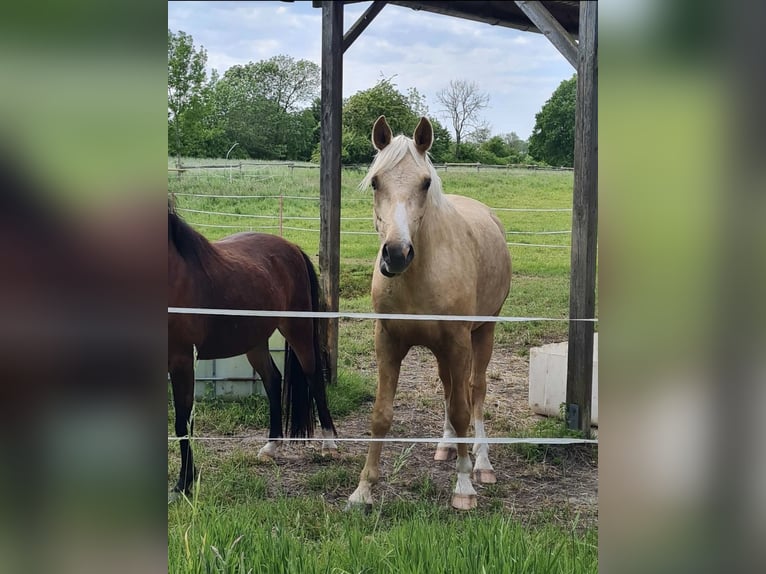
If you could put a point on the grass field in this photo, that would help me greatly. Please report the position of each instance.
(249, 516)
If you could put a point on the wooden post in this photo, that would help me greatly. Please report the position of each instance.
(329, 170)
(582, 289)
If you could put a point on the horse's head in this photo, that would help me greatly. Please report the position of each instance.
(402, 178)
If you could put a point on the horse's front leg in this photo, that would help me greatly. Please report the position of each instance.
(482, 340)
(455, 368)
(181, 370)
(389, 353)
(446, 449)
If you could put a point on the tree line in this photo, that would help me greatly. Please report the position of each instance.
(271, 110)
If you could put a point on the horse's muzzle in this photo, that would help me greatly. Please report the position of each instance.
(395, 258)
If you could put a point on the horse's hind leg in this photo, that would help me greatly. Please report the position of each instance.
(260, 359)
(299, 333)
(482, 340)
(318, 392)
(181, 369)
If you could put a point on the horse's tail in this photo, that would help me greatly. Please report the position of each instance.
(299, 411)
(301, 392)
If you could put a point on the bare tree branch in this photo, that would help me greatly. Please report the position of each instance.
(462, 101)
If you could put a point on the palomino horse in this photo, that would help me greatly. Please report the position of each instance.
(245, 271)
(442, 255)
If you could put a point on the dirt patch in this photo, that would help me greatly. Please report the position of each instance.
(551, 484)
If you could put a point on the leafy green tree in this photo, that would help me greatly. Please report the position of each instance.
(552, 139)
(402, 113)
(440, 150)
(260, 105)
(284, 80)
(518, 145)
(186, 90)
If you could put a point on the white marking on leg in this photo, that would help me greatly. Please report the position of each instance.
(464, 496)
(362, 495)
(269, 450)
(481, 448)
(328, 444)
(449, 432)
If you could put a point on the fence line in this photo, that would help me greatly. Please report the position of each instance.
(301, 218)
(382, 316)
(343, 232)
(317, 198)
(478, 166)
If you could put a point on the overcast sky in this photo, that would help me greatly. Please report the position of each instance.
(519, 70)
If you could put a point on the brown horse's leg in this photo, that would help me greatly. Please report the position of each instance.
(261, 360)
(300, 335)
(181, 369)
(389, 353)
(482, 340)
(455, 362)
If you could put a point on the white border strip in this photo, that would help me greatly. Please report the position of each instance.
(345, 315)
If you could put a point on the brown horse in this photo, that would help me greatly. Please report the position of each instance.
(443, 255)
(253, 271)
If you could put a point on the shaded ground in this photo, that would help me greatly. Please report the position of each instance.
(541, 483)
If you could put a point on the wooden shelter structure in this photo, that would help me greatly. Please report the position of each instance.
(571, 27)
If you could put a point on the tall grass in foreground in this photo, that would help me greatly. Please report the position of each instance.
(305, 536)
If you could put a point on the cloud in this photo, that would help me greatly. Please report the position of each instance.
(519, 70)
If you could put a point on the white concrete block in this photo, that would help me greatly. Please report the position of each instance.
(548, 379)
(233, 377)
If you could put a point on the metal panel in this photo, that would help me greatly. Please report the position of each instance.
(234, 377)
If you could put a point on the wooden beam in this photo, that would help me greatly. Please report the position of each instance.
(329, 171)
(582, 288)
(554, 31)
(364, 20)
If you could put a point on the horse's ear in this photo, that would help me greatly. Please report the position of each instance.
(424, 135)
(381, 133)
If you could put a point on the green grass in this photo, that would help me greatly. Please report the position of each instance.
(305, 535)
(250, 516)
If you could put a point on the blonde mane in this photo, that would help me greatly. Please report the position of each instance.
(391, 155)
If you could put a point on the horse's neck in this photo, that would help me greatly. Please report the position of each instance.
(186, 281)
(438, 227)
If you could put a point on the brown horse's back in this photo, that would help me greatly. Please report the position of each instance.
(258, 271)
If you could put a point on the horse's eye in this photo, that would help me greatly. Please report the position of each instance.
(426, 184)
(374, 183)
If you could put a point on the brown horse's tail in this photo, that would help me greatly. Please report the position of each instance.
(303, 392)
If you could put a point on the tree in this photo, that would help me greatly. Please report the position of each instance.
(462, 101)
(517, 144)
(552, 139)
(259, 103)
(186, 85)
(362, 109)
(287, 82)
